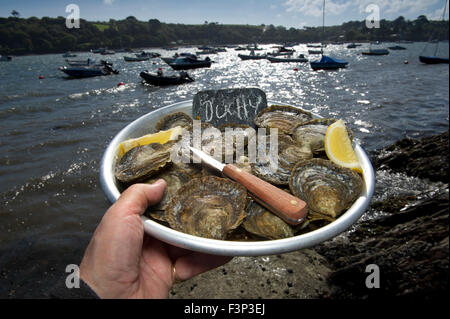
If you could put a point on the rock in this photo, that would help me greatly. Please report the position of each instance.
(424, 158)
(300, 274)
(411, 249)
(410, 243)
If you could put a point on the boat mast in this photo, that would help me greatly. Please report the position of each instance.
(323, 19)
(323, 26)
(443, 18)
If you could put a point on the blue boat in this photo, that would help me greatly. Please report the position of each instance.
(90, 71)
(432, 60)
(328, 63)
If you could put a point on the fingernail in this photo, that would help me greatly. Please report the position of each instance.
(159, 182)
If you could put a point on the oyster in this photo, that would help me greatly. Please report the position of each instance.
(175, 179)
(313, 133)
(173, 120)
(247, 132)
(289, 153)
(207, 207)
(285, 118)
(142, 162)
(261, 222)
(325, 187)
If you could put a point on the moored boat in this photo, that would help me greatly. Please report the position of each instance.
(353, 45)
(90, 71)
(252, 57)
(135, 59)
(4, 58)
(69, 55)
(161, 80)
(328, 63)
(149, 55)
(176, 55)
(396, 48)
(300, 59)
(315, 51)
(188, 63)
(376, 52)
(108, 52)
(432, 59)
(86, 62)
(278, 53)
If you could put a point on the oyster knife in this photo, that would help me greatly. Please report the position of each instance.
(286, 206)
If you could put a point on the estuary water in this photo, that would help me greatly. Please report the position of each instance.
(54, 131)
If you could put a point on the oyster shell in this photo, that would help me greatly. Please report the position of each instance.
(246, 131)
(207, 207)
(326, 188)
(289, 153)
(175, 179)
(142, 162)
(173, 120)
(285, 118)
(261, 222)
(313, 133)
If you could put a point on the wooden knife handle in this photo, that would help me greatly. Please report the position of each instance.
(290, 208)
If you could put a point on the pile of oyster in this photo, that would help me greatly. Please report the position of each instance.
(200, 202)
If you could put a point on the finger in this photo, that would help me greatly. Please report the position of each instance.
(136, 198)
(177, 252)
(196, 263)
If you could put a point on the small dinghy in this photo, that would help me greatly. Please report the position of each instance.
(300, 59)
(69, 55)
(251, 57)
(397, 48)
(188, 63)
(376, 52)
(315, 51)
(136, 59)
(159, 79)
(5, 58)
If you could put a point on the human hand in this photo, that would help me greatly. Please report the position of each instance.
(121, 261)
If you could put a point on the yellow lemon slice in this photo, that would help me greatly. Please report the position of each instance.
(160, 137)
(339, 147)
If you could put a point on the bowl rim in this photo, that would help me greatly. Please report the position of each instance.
(236, 248)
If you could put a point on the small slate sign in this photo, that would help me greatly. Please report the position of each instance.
(238, 106)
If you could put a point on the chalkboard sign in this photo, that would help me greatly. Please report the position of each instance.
(238, 106)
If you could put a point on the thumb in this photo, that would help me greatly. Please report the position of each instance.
(136, 198)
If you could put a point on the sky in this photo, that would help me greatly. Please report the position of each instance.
(288, 13)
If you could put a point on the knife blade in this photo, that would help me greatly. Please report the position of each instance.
(291, 209)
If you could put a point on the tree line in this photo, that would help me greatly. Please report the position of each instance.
(50, 35)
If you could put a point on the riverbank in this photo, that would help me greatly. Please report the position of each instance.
(409, 243)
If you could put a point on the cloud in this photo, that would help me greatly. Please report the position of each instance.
(398, 7)
(437, 14)
(108, 2)
(314, 7)
(387, 7)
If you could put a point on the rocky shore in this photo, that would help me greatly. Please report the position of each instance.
(408, 242)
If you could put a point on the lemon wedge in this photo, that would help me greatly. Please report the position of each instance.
(339, 147)
(160, 137)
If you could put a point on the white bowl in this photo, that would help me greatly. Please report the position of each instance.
(142, 126)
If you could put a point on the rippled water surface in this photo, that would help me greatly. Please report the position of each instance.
(54, 131)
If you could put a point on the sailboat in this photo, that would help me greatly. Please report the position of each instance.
(326, 62)
(434, 59)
